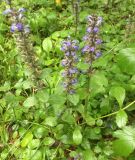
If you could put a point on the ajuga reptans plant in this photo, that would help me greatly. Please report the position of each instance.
(20, 31)
(69, 47)
(91, 50)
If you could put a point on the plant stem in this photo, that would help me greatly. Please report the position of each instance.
(108, 115)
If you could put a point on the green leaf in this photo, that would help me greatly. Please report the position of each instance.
(51, 121)
(88, 155)
(119, 93)
(47, 44)
(98, 83)
(34, 143)
(83, 66)
(77, 136)
(57, 99)
(119, 145)
(121, 118)
(126, 140)
(6, 87)
(48, 141)
(74, 99)
(26, 140)
(29, 102)
(126, 60)
(43, 96)
(89, 120)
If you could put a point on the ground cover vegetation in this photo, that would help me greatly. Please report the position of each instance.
(67, 80)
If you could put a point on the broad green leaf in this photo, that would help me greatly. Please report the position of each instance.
(119, 93)
(43, 96)
(48, 141)
(27, 139)
(6, 87)
(37, 155)
(126, 60)
(88, 155)
(98, 83)
(121, 118)
(126, 139)
(47, 44)
(40, 132)
(57, 99)
(83, 66)
(77, 136)
(34, 143)
(68, 117)
(122, 147)
(29, 102)
(74, 99)
(89, 120)
(51, 121)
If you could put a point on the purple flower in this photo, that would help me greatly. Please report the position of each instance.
(73, 53)
(75, 47)
(21, 10)
(98, 41)
(13, 27)
(71, 91)
(98, 54)
(73, 81)
(65, 84)
(67, 53)
(7, 11)
(95, 30)
(64, 74)
(19, 26)
(99, 21)
(68, 43)
(64, 62)
(73, 70)
(64, 48)
(85, 38)
(89, 29)
(92, 49)
(86, 49)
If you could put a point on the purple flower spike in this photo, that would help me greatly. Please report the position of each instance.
(70, 48)
(95, 30)
(19, 26)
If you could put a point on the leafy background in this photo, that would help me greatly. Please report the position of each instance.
(40, 125)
